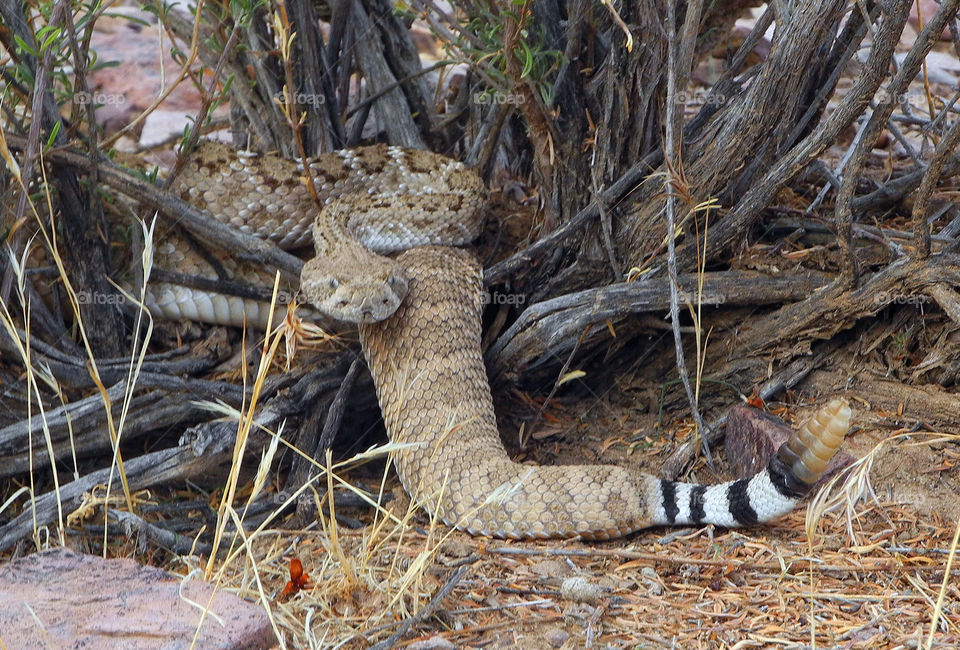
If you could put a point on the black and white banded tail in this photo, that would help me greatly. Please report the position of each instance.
(791, 472)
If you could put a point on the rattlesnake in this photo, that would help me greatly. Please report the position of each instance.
(425, 358)
(363, 191)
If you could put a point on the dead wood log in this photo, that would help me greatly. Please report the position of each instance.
(396, 117)
(133, 527)
(153, 468)
(743, 137)
(828, 311)
(745, 357)
(74, 443)
(547, 331)
(202, 452)
(78, 429)
(906, 406)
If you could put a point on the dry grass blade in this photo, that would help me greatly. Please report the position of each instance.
(270, 345)
(852, 486)
(24, 350)
(938, 613)
(426, 611)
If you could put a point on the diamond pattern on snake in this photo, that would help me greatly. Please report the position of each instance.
(419, 319)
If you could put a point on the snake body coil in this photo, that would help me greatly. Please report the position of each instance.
(426, 359)
(433, 391)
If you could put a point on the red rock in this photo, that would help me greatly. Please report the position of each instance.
(59, 599)
(140, 70)
(754, 436)
(927, 9)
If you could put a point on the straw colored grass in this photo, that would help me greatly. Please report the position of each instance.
(872, 574)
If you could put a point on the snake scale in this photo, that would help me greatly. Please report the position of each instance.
(420, 327)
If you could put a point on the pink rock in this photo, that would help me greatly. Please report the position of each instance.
(136, 79)
(927, 9)
(140, 70)
(59, 599)
(754, 436)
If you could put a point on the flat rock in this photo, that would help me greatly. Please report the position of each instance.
(60, 599)
(754, 436)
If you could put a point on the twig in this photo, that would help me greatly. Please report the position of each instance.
(911, 65)
(541, 130)
(193, 40)
(168, 539)
(775, 567)
(335, 413)
(553, 390)
(830, 310)
(609, 198)
(678, 62)
(369, 100)
(948, 299)
(425, 612)
(430, 9)
(945, 149)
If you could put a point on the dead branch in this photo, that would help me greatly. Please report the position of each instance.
(548, 330)
(828, 311)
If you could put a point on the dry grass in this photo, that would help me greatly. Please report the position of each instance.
(34, 376)
(876, 574)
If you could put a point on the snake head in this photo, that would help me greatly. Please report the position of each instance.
(348, 297)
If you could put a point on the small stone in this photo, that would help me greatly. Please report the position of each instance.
(436, 642)
(580, 590)
(556, 638)
(651, 579)
(551, 569)
(457, 548)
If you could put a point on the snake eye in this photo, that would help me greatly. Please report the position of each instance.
(393, 280)
(334, 283)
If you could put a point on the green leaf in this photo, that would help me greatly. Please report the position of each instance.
(527, 59)
(53, 134)
(228, 82)
(187, 130)
(22, 44)
(133, 19)
(50, 39)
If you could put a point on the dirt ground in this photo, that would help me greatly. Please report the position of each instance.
(868, 578)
